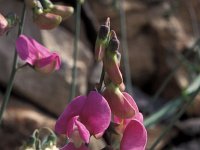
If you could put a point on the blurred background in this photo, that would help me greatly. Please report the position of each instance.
(162, 41)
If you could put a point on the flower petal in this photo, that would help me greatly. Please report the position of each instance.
(43, 51)
(25, 49)
(96, 114)
(134, 137)
(70, 146)
(119, 104)
(111, 65)
(131, 101)
(83, 132)
(73, 109)
(48, 64)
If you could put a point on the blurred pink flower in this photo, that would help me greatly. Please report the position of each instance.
(134, 133)
(37, 55)
(3, 24)
(47, 21)
(84, 116)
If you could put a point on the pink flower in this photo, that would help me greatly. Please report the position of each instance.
(119, 102)
(84, 116)
(37, 55)
(3, 24)
(134, 133)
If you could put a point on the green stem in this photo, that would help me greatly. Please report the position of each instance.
(75, 53)
(14, 69)
(175, 118)
(171, 108)
(101, 80)
(125, 54)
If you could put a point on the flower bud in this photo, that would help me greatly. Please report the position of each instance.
(3, 24)
(113, 44)
(102, 39)
(118, 102)
(63, 11)
(47, 4)
(47, 21)
(111, 65)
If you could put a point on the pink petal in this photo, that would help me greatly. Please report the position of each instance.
(48, 64)
(139, 117)
(96, 114)
(70, 146)
(25, 49)
(131, 101)
(111, 65)
(73, 109)
(119, 104)
(83, 132)
(44, 52)
(134, 137)
(70, 126)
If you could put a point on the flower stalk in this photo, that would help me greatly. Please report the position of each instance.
(14, 68)
(100, 85)
(75, 52)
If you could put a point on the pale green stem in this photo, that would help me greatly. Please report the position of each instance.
(75, 52)
(101, 80)
(174, 119)
(14, 69)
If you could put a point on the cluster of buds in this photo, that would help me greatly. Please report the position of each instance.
(123, 107)
(7, 22)
(91, 115)
(47, 15)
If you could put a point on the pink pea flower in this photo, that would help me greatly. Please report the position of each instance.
(3, 24)
(37, 55)
(119, 102)
(134, 133)
(84, 116)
